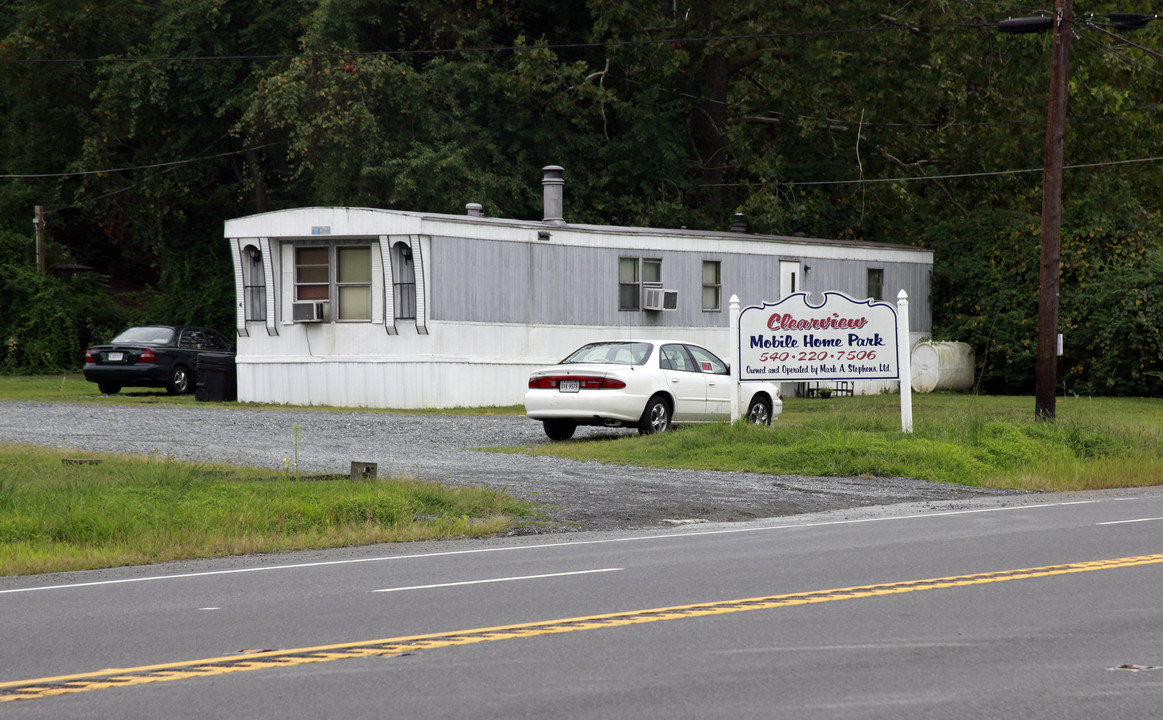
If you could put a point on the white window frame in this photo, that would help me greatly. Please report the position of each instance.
(254, 287)
(715, 287)
(341, 285)
(333, 284)
(403, 281)
(638, 282)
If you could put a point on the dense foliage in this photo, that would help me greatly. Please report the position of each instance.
(141, 126)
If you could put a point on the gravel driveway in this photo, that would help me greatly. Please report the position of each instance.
(572, 495)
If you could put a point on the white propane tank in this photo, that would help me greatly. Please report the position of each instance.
(942, 366)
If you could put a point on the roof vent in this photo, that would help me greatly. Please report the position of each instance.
(553, 182)
(738, 223)
(474, 209)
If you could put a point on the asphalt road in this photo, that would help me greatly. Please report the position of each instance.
(1034, 607)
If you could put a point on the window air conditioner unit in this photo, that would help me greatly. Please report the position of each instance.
(307, 311)
(659, 299)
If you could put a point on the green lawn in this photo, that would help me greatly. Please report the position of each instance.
(137, 510)
(1094, 443)
(126, 510)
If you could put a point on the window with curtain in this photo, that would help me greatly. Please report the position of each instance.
(312, 273)
(254, 289)
(403, 282)
(353, 282)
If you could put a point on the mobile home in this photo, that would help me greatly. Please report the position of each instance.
(364, 307)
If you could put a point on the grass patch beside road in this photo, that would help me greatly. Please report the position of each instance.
(132, 510)
(1095, 443)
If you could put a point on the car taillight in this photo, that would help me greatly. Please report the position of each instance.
(88, 356)
(147, 355)
(602, 383)
(549, 382)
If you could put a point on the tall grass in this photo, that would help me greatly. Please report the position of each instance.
(129, 510)
(980, 441)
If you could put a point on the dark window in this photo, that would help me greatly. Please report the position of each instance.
(633, 275)
(706, 361)
(676, 357)
(629, 284)
(403, 282)
(876, 284)
(254, 289)
(312, 273)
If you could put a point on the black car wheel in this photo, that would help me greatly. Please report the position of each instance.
(759, 412)
(656, 419)
(559, 429)
(108, 388)
(179, 383)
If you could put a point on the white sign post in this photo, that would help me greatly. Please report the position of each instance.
(734, 330)
(906, 372)
(840, 339)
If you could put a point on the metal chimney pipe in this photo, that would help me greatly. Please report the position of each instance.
(474, 209)
(739, 223)
(553, 182)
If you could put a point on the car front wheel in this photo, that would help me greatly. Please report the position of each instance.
(759, 411)
(656, 419)
(559, 429)
(179, 383)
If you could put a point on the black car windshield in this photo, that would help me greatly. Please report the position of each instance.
(146, 335)
(613, 353)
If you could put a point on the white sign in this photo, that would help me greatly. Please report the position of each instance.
(840, 339)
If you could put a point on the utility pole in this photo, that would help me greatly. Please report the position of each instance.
(38, 225)
(1061, 24)
(1046, 370)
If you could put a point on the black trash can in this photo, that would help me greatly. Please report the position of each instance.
(217, 378)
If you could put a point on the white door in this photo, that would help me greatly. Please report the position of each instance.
(789, 278)
(718, 380)
(687, 384)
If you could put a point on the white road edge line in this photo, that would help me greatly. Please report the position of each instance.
(498, 580)
(1124, 522)
(567, 543)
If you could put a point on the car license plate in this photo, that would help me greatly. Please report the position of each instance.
(115, 356)
(568, 386)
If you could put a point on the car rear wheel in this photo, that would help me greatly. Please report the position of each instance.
(108, 388)
(759, 411)
(559, 429)
(179, 383)
(656, 419)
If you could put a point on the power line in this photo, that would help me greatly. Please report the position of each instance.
(495, 49)
(136, 167)
(995, 173)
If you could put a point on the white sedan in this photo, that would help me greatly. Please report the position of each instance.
(647, 384)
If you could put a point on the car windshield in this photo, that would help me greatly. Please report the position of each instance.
(614, 353)
(146, 335)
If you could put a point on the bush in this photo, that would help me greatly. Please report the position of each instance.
(985, 293)
(49, 321)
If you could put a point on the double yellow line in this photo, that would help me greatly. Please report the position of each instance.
(128, 677)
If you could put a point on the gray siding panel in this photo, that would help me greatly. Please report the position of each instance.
(546, 284)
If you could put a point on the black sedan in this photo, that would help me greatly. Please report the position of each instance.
(153, 356)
